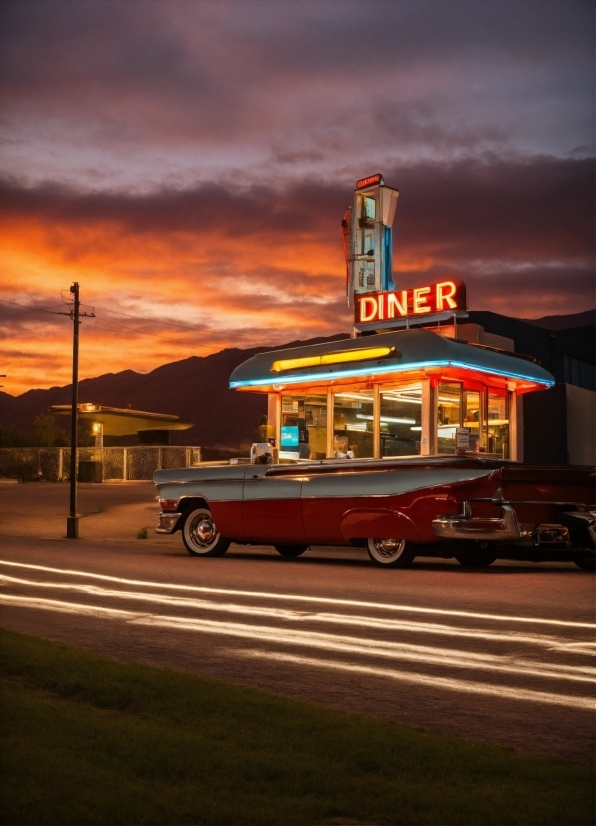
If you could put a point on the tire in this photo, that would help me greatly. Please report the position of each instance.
(475, 557)
(200, 536)
(291, 550)
(391, 553)
(587, 561)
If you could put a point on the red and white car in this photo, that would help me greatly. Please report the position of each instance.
(474, 509)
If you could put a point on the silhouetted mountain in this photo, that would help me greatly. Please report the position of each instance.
(196, 389)
(564, 322)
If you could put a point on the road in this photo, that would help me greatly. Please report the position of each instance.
(504, 654)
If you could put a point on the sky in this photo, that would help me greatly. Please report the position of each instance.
(188, 163)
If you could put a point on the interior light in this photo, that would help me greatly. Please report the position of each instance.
(390, 419)
(403, 399)
(355, 396)
(332, 358)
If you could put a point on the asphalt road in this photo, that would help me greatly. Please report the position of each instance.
(504, 654)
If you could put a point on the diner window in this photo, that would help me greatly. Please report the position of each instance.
(353, 419)
(497, 425)
(472, 418)
(448, 415)
(304, 426)
(401, 420)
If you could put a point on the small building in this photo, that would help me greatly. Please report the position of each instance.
(149, 428)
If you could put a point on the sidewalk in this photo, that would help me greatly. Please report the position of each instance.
(108, 512)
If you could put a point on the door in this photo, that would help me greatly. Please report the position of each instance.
(272, 511)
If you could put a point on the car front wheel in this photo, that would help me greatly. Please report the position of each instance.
(391, 553)
(200, 536)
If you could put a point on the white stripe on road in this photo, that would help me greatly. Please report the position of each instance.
(425, 655)
(287, 615)
(298, 597)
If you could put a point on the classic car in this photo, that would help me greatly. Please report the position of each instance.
(472, 508)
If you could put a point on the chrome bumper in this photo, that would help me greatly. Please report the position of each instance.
(469, 527)
(167, 522)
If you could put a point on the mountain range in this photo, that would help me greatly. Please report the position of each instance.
(195, 389)
(564, 322)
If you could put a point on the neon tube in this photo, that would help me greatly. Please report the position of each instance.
(391, 368)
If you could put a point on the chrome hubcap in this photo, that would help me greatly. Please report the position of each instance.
(388, 548)
(203, 532)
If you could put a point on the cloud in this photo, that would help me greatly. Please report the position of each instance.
(158, 93)
(189, 163)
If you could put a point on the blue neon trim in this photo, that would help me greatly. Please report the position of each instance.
(386, 368)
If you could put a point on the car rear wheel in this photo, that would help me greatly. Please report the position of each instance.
(291, 550)
(391, 553)
(200, 536)
(475, 557)
(585, 561)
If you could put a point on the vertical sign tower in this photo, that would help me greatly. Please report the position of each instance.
(368, 247)
(368, 238)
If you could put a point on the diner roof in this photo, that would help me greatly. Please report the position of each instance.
(387, 356)
(118, 421)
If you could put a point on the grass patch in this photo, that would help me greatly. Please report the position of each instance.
(87, 739)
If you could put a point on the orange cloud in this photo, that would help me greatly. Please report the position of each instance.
(207, 269)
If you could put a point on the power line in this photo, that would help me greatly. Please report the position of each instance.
(142, 318)
(28, 312)
(202, 328)
(140, 332)
(31, 310)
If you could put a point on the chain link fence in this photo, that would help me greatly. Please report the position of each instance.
(119, 463)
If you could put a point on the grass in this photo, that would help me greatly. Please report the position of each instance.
(87, 739)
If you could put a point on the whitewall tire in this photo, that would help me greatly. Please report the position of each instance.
(200, 536)
(391, 553)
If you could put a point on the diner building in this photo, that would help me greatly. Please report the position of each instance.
(416, 377)
(409, 392)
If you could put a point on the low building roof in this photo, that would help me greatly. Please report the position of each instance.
(388, 356)
(122, 421)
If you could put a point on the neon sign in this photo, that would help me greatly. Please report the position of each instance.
(370, 181)
(419, 301)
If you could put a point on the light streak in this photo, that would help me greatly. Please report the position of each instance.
(448, 683)
(426, 655)
(289, 615)
(303, 598)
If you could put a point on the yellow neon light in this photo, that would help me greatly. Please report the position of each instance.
(332, 358)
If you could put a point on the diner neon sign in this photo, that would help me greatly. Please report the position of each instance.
(419, 301)
(372, 180)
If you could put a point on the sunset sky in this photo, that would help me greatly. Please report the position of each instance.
(189, 162)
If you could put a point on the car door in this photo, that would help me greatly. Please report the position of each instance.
(271, 508)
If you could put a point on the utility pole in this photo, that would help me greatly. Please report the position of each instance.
(72, 521)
